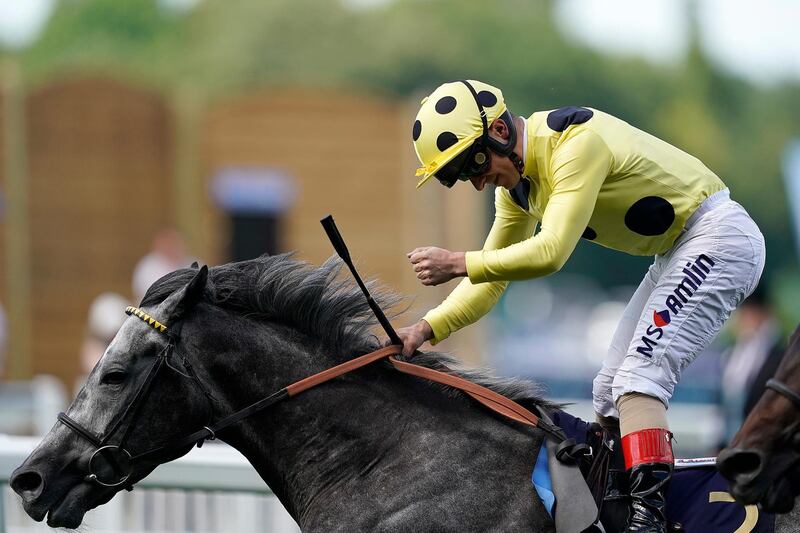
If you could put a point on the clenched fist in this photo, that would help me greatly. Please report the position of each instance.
(436, 265)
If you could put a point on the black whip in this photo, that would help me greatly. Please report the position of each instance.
(341, 249)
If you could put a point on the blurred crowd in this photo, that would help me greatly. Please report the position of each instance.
(106, 313)
(753, 358)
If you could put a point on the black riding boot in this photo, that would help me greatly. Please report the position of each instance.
(648, 457)
(648, 494)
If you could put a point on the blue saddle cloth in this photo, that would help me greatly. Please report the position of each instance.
(697, 497)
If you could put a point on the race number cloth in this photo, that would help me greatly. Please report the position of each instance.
(698, 499)
(587, 175)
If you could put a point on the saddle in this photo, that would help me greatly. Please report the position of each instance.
(697, 497)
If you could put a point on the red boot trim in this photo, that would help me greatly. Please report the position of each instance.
(647, 446)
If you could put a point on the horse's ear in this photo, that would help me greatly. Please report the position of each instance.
(181, 301)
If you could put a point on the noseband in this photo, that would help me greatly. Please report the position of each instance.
(783, 389)
(121, 460)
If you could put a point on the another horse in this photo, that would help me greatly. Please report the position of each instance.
(374, 450)
(763, 460)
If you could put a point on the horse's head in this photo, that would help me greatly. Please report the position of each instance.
(763, 460)
(99, 445)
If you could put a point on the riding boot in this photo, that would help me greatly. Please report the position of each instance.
(649, 461)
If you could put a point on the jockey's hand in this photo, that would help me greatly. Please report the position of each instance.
(437, 265)
(413, 337)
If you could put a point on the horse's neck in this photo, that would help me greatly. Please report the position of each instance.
(326, 444)
(302, 442)
(383, 452)
(347, 449)
(323, 441)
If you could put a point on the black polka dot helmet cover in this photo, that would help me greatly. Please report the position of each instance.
(449, 121)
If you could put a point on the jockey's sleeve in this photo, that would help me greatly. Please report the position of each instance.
(468, 302)
(579, 167)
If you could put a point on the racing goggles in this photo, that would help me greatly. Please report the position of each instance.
(471, 162)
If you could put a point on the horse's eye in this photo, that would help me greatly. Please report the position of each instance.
(115, 377)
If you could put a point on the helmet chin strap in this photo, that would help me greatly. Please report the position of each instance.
(519, 164)
(516, 160)
(505, 149)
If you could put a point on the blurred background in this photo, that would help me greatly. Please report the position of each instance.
(139, 135)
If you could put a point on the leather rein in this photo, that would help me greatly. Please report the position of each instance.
(121, 460)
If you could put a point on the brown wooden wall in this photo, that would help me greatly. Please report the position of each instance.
(3, 203)
(342, 152)
(99, 183)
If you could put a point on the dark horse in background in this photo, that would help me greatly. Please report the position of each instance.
(374, 450)
(762, 462)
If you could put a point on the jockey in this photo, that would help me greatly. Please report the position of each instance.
(577, 172)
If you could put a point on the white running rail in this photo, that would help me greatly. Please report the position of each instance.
(211, 489)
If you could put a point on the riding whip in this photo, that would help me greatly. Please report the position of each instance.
(341, 249)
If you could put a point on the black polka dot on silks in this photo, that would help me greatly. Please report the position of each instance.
(487, 99)
(563, 118)
(589, 234)
(651, 215)
(445, 140)
(417, 130)
(445, 105)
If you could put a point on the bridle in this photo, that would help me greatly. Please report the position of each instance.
(783, 389)
(121, 460)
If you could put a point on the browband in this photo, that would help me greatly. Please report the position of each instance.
(147, 319)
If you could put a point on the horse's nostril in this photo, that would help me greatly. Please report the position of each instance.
(736, 463)
(27, 484)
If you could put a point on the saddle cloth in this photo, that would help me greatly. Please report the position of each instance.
(697, 497)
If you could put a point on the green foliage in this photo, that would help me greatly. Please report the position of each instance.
(406, 47)
(129, 38)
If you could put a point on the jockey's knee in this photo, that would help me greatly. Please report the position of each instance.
(601, 386)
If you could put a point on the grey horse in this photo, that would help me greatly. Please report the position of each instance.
(375, 450)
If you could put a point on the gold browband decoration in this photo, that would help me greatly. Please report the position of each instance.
(155, 324)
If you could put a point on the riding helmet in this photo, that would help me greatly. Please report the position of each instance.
(451, 134)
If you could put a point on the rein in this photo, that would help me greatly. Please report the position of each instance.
(121, 461)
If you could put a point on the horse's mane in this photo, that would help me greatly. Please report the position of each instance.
(320, 303)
